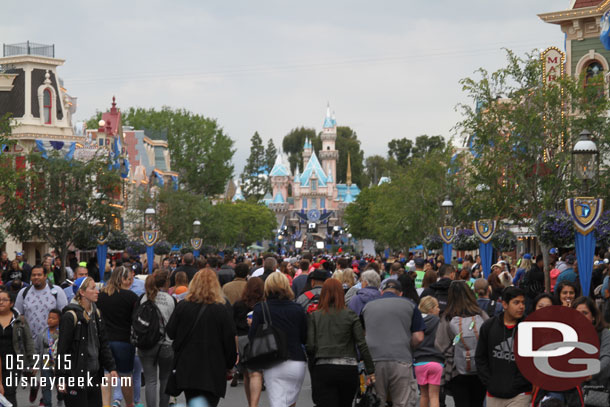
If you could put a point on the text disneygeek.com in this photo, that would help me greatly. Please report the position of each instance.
(64, 382)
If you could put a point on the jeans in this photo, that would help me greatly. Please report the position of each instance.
(335, 385)
(47, 393)
(157, 360)
(136, 382)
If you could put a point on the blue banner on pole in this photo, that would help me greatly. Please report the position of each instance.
(485, 250)
(102, 251)
(196, 254)
(447, 252)
(150, 256)
(585, 250)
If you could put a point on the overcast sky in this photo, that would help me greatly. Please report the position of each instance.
(389, 69)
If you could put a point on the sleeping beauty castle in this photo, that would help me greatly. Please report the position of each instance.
(311, 201)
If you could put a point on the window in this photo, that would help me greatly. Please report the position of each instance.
(101, 141)
(47, 104)
(314, 203)
(314, 184)
(322, 203)
(594, 80)
(304, 203)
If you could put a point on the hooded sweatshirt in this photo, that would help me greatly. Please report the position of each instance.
(439, 290)
(426, 351)
(495, 360)
(363, 296)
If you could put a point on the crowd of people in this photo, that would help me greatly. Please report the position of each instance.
(414, 329)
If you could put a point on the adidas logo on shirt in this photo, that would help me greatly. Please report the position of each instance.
(504, 350)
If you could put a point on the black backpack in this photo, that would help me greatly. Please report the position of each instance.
(147, 325)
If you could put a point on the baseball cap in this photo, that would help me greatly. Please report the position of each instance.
(317, 274)
(527, 256)
(570, 259)
(77, 283)
(419, 261)
(391, 283)
(18, 253)
(553, 250)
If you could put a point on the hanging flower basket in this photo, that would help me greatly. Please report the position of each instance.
(465, 239)
(555, 228)
(504, 241)
(433, 242)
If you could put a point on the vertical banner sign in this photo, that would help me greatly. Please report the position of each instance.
(485, 229)
(150, 237)
(447, 235)
(102, 251)
(553, 62)
(585, 212)
(196, 243)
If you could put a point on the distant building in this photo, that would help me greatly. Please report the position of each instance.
(313, 195)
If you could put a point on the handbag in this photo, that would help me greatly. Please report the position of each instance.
(367, 399)
(171, 387)
(596, 395)
(268, 346)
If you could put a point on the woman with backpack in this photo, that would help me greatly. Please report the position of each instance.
(457, 338)
(428, 361)
(82, 332)
(334, 334)
(156, 359)
(116, 303)
(253, 378)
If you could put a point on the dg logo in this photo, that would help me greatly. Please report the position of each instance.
(557, 348)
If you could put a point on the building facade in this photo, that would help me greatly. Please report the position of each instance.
(312, 196)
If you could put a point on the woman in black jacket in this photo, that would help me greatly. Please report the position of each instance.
(82, 347)
(284, 380)
(204, 342)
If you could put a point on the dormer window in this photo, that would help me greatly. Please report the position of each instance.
(314, 184)
(47, 105)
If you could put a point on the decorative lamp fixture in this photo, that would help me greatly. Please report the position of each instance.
(196, 227)
(447, 209)
(585, 158)
(149, 219)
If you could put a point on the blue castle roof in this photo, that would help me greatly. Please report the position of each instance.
(342, 192)
(279, 199)
(313, 167)
(279, 169)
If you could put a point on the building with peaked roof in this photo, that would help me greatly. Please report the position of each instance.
(311, 195)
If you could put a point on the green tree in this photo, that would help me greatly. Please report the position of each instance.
(375, 167)
(270, 154)
(400, 150)
(293, 143)
(242, 223)
(348, 143)
(253, 185)
(57, 200)
(404, 150)
(522, 141)
(200, 150)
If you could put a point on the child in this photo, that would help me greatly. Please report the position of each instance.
(46, 347)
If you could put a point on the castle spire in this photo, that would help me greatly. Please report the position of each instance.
(349, 171)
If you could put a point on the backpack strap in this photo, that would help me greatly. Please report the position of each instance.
(309, 294)
(25, 292)
(468, 367)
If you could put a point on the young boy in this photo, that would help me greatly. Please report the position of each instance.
(46, 347)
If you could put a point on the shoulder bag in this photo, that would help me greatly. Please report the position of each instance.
(172, 385)
(268, 346)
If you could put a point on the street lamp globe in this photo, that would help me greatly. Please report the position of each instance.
(149, 219)
(196, 227)
(447, 209)
(585, 157)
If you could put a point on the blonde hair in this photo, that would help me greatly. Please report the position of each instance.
(78, 296)
(205, 288)
(277, 285)
(348, 277)
(116, 280)
(427, 304)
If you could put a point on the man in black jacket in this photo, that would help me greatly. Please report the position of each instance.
(440, 289)
(494, 356)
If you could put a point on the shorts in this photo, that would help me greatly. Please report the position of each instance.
(429, 373)
(124, 354)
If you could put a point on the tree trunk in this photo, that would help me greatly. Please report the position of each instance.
(547, 261)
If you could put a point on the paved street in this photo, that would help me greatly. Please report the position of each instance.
(235, 397)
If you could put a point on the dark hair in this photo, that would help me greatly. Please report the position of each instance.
(241, 270)
(538, 258)
(56, 312)
(332, 295)
(408, 288)
(544, 295)
(213, 262)
(181, 279)
(342, 262)
(304, 265)
(445, 270)
(39, 266)
(510, 293)
(598, 321)
(253, 292)
(561, 286)
(154, 282)
(429, 278)
(461, 301)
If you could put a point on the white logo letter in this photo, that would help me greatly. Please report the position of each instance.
(526, 343)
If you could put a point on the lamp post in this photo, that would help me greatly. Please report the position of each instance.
(447, 232)
(150, 236)
(102, 247)
(196, 241)
(585, 211)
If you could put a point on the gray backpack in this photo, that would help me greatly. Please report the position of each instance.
(465, 332)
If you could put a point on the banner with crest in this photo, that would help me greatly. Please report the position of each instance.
(447, 234)
(585, 212)
(484, 229)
